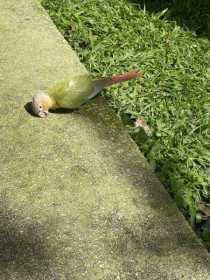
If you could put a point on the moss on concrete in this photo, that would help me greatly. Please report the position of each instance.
(77, 199)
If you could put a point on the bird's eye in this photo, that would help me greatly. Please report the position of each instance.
(40, 107)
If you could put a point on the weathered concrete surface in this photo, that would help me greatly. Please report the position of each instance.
(77, 199)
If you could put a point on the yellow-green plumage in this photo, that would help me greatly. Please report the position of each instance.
(73, 92)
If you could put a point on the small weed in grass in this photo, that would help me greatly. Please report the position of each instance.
(174, 97)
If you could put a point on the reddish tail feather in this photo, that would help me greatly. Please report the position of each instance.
(101, 83)
(121, 78)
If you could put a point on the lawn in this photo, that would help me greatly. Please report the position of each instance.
(172, 48)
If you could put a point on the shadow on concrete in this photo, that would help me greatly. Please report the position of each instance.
(193, 15)
(24, 249)
(23, 246)
(171, 236)
(28, 108)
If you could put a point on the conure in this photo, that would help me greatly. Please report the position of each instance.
(74, 92)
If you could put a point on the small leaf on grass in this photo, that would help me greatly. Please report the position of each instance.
(204, 209)
(140, 122)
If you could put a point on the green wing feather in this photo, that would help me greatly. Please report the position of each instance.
(79, 89)
(73, 92)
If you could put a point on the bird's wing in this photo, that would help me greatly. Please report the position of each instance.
(73, 92)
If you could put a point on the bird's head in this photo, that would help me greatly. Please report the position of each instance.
(41, 104)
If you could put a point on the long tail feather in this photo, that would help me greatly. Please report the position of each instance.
(121, 78)
(102, 83)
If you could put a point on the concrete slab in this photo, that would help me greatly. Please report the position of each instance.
(77, 198)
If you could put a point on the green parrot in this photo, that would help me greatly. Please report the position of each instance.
(76, 91)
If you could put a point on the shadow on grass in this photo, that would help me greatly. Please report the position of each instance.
(193, 15)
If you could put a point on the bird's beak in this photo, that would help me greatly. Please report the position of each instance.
(43, 114)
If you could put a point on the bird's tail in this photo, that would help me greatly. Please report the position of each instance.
(121, 78)
(102, 83)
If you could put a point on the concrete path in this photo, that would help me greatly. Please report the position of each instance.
(77, 199)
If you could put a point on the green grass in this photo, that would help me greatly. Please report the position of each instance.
(174, 96)
(193, 15)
